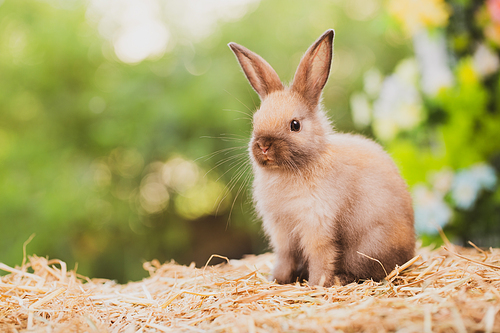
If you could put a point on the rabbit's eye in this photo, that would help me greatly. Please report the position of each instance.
(295, 126)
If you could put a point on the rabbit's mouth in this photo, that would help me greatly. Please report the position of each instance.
(269, 162)
(264, 159)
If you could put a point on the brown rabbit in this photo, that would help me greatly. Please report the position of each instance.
(328, 200)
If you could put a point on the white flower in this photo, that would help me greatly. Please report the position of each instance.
(442, 180)
(361, 110)
(485, 175)
(465, 189)
(433, 61)
(407, 71)
(431, 212)
(469, 182)
(399, 105)
(485, 61)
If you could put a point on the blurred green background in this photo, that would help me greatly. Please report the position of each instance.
(123, 124)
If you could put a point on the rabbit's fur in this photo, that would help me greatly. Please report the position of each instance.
(328, 200)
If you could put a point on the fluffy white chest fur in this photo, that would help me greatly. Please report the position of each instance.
(293, 203)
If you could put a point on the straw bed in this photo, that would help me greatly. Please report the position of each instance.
(447, 290)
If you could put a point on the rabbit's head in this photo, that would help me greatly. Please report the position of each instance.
(290, 130)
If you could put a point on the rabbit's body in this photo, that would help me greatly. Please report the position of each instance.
(370, 214)
(328, 200)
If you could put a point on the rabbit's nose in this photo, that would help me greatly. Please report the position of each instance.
(264, 148)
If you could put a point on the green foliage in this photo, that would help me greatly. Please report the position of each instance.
(84, 138)
(451, 160)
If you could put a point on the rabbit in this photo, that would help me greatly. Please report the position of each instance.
(333, 205)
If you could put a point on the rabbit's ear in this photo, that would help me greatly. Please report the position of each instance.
(259, 73)
(314, 68)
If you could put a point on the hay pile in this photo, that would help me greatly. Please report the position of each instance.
(447, 290)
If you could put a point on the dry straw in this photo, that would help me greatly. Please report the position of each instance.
(447, 290)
